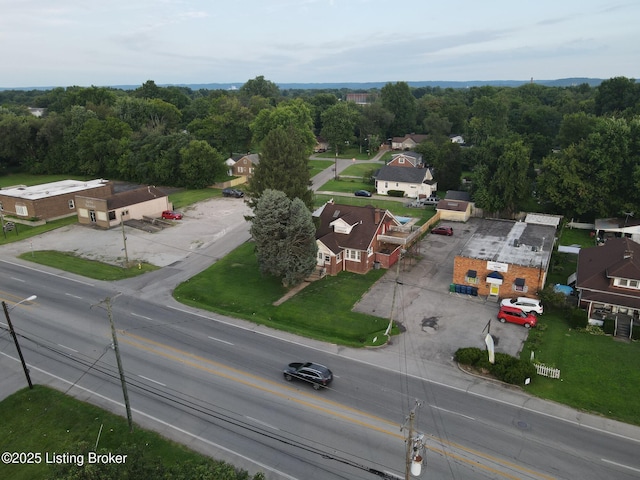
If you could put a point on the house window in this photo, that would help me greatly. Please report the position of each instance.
(339, 257)
(320, 255)
(1, 207)
(327, 258)
(240, 169)
(471, 277)
(112, 214)
(22, 211)
(401, 160)
(623, 282)
(519, 285)
(353, 255)
(72, 204)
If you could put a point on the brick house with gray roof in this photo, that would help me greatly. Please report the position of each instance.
(355, 238)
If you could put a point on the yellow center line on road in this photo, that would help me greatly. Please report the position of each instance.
(216, 368)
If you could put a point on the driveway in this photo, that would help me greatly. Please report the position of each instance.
(438, 322)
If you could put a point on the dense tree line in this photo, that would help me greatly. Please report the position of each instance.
(574, 148)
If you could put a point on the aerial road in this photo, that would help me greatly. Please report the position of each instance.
(216, 384)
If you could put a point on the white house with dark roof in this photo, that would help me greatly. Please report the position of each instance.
(414, 182)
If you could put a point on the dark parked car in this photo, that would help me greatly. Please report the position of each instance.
(515, 315)
(232, 192)
(443, 231)
(362, 193)
(171, 215)
(314, 373)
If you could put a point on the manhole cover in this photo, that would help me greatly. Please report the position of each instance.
(522, 425)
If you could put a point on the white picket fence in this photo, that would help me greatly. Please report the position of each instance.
(547, 371)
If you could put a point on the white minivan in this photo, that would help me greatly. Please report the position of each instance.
(523, 303)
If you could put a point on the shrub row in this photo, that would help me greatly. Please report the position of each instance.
(506, 368)
(395, 193)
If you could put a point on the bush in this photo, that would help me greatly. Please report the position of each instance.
(506, 368)
(469, 355)
(578, 318)
(549, 297)
(635, 333)
(395, 193)
(609, 326)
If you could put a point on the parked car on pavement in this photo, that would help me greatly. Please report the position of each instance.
(524, 303)
(232, 192)
(442, 231)
(362, 193)
(314, 373)
(171, 215)
(515, 315)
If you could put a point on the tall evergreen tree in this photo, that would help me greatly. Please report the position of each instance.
(284, 166)
(284, 235)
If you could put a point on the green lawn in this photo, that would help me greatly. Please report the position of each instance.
(318, 166)
(44, 421)
(575, 236)
(70, 262)
(349, 153)
(346, 185)
(598, 374)
(233, 286)
(23, 232)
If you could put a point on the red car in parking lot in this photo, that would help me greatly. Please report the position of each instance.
(515, 315)
(171, 215)
(443, 231)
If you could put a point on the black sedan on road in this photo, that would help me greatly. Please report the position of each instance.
(317, 375)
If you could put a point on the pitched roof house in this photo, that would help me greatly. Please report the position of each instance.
(245, 165)
(608, 280)
(408, 142)
(406, 159)
(414, 182)
(355, 238)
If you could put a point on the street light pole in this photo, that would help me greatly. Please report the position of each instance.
(15, 337)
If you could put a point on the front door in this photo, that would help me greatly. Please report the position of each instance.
(494, 289)
(92, 216)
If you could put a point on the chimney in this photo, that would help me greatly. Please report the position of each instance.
(627, 254)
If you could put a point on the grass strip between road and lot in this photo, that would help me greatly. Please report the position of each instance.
(70, 262)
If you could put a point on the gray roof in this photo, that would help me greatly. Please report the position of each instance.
(401, 174)
(506, 241)
(458, 195)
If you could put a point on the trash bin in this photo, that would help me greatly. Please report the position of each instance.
(458, 288)
(376, 265)
(474, 291)
(452, 288)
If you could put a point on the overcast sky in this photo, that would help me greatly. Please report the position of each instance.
(127, 42)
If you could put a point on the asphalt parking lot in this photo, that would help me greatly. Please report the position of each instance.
(438, 322)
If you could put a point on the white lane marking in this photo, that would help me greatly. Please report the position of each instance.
(74, 296)
(221, 341)
(620, 465)
(140, 316)
(262, 423)
(18, 279)
(68, 348)
(152, 380)
(451, 412)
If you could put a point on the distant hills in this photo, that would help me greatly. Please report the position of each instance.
(563, 82)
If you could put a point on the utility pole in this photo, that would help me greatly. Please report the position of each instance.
(395, 289)
(15, 337)
(415, 446)
(123, 382)
(124, 239)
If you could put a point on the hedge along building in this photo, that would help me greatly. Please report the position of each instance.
(504, 258)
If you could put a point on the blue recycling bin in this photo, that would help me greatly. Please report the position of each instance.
(474, 291)
(458, 288)
(468, 290)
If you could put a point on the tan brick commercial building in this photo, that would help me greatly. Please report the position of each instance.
(49, 201)
(504, 258)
